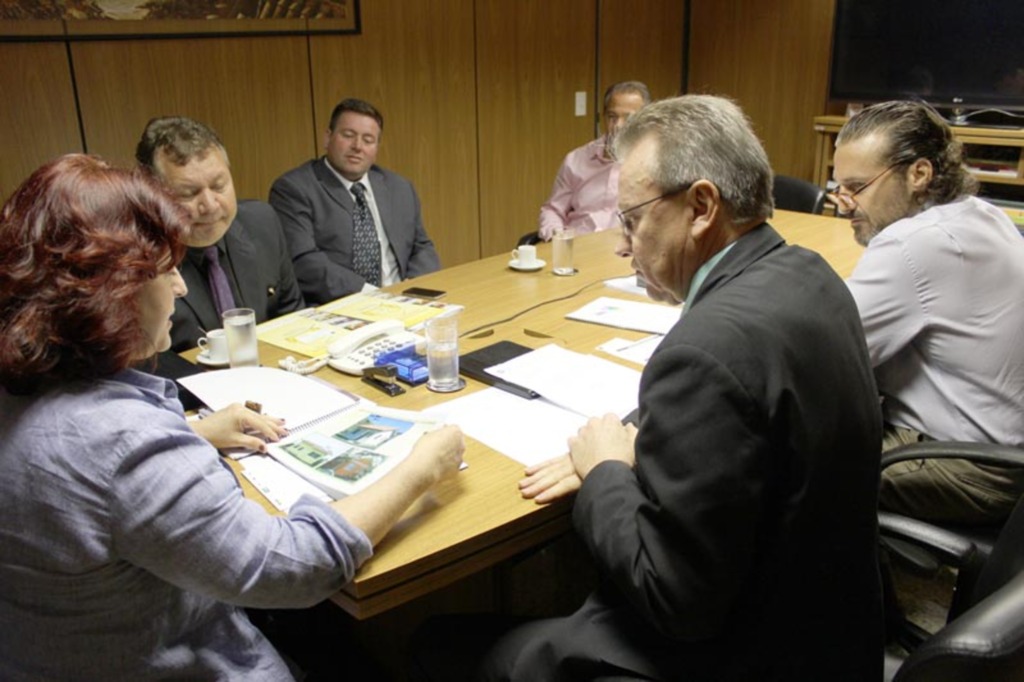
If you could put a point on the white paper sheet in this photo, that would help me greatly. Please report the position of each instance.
(639, 351)
(296, 399)
(528, 431)
(654, 318)
(626, 285)
(586, 384)
(280, 485)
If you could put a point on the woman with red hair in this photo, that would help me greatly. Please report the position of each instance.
(127, 549)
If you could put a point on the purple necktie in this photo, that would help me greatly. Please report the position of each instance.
(218, 280)
(365, 245)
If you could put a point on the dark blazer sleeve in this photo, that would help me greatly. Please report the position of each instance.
(677, 535)
(261, 263)
(318, 230)
(413, 248)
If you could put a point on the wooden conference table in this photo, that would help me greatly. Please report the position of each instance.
(478, 519)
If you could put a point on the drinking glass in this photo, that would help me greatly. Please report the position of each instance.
(561, 248)
(240, 328)
(443, 354)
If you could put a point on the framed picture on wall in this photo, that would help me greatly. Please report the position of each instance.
(21, 19)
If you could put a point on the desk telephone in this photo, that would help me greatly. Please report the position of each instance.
(360, 347)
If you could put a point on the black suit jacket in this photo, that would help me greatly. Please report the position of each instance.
(316, 214)
(255, 259)
(742, 546)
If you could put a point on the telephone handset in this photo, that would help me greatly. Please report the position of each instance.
(360, 347)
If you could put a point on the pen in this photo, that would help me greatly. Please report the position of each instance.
(516, 389)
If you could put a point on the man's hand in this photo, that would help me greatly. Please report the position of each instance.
(601, 439)
(236, 426)
(550, 480)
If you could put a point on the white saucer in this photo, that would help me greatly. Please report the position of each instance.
(204, 359)
(537, 265)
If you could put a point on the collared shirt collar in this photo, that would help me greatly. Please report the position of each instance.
(597, 150)
(195, 253)
(364, 181)
(702, 274)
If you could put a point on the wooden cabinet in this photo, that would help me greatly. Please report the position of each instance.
(995, 155)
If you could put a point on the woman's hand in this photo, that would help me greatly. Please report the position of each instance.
(236, 426)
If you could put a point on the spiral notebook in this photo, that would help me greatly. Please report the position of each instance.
(302, 401)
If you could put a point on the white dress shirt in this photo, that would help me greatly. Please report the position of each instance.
(389, 273)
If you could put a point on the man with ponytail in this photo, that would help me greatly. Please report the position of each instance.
(939, 293)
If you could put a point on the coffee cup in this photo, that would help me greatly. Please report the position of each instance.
(214, 347)
(525, 256)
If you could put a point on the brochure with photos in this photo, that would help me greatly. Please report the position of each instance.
(348, 452)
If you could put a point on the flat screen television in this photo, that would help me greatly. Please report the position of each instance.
(959, 55)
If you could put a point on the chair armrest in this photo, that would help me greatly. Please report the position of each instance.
(983, 453)
(953, 549)
(986, 642)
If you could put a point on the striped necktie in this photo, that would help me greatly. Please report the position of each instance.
(365, 245)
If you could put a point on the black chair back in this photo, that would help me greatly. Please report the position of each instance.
(1007, 558)
(984, 643)
(529, 238)
(986, 640)
(794, 194)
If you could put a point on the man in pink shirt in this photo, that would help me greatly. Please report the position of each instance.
(585, 196)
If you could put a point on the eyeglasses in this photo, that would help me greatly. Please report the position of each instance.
(627, 227)
(846, 201)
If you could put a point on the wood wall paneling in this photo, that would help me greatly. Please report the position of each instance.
(38, 119)
(254, 90)
(478, 97)
(772, 58)
(532, 57)
(642, 41)
(415, 62)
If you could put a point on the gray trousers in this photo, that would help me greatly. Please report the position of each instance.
(947, 490)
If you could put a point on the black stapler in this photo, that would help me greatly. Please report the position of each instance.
(382, 377)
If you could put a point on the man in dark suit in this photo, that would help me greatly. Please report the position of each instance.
(735, 527)
(242, 240)
(350, 224)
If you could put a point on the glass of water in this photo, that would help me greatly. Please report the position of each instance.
(240, 328)
(561, 248)
(443, 354)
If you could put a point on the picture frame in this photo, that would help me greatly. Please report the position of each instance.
(112, 19)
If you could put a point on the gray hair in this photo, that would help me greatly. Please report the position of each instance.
(627, 88)
(915, 131)
(704, 137)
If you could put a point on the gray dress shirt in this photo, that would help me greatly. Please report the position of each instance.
(128, 551)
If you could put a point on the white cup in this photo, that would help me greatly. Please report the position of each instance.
(442, 334)
(561, 249)
(525, 256)
(214, 347)
(240, 329)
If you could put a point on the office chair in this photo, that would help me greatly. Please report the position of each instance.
(794, 194)
(984, 635)
(982, 537)
(529, 238)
